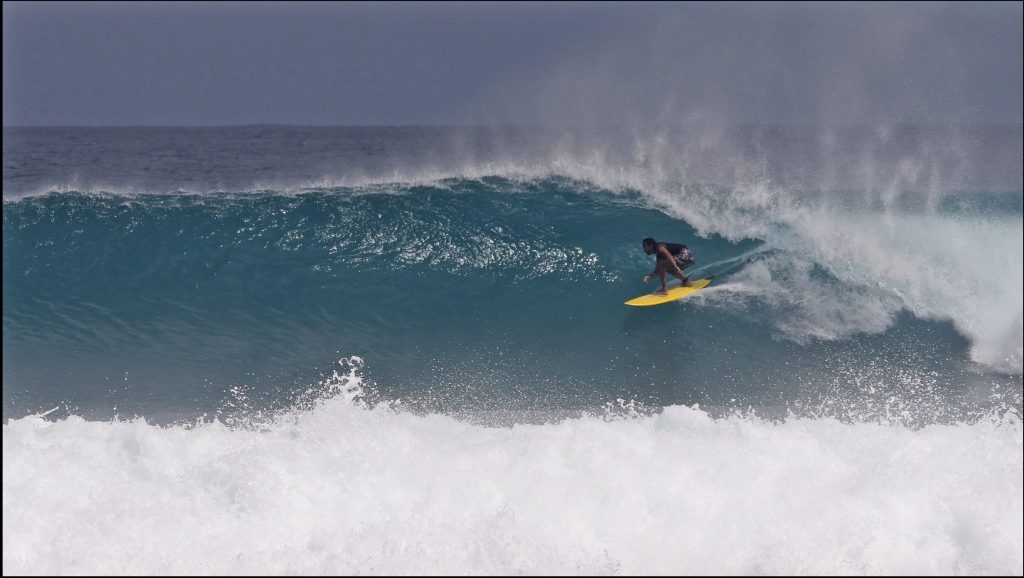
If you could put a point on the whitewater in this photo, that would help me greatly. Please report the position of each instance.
(345, 489)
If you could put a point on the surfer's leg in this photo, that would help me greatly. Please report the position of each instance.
(685, 281)
(683, 260)
(660, 270)
(683, 278)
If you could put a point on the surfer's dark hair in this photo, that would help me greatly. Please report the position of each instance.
(649, 241)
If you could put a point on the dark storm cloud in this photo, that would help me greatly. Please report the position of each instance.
(524, 63)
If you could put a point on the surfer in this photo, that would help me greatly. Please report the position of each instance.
(672, 258)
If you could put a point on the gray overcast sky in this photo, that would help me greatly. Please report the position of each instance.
(186, 63)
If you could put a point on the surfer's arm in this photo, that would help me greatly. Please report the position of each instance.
(652, 274)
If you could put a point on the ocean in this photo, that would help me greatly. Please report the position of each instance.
(275, 349)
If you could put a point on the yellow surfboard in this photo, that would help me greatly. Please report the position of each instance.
(674, 293)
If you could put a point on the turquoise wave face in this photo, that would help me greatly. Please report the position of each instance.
(486, 297)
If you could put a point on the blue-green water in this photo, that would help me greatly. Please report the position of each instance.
(490, 295)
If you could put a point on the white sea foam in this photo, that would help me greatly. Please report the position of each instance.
(962, 269)
(339, 488)
(967, 268)
(838, 208)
